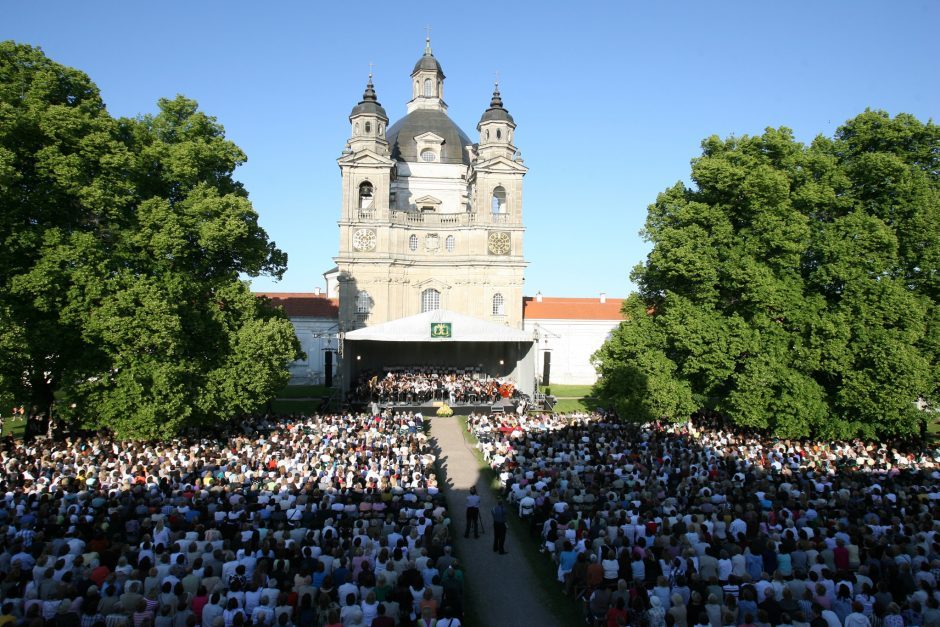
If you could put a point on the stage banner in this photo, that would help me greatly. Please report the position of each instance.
(440, 330)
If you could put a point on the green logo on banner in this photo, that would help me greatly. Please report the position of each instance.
(440, 329)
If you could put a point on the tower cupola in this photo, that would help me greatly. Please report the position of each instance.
(427, 79)
(496, 127)
(368, 122)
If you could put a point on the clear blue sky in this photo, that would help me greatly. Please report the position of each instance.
(611, 98)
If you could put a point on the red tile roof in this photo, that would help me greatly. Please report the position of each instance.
(562, 308)
(304, 305)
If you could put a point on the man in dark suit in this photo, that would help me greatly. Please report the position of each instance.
(499, 528)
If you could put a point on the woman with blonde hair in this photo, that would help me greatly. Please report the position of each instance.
(678, 611)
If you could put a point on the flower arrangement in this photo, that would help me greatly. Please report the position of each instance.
(445, 411)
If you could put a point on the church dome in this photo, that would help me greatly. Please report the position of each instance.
(428, 62)
(496, 112)
(401, 136)
(369, 103)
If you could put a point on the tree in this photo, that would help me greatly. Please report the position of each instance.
(123, 243)
(792, 288)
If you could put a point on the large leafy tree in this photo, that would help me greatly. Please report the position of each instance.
(123, 242)
(793, 287)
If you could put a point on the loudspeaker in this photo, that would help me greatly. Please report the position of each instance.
(328, 368)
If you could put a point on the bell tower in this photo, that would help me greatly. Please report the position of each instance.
(498, 171)
(367, 175)
(496, 128)
(496, 180)
(368, 123)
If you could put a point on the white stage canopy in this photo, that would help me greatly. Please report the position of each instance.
(440, 325)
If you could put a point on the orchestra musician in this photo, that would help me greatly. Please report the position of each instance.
(400, 385)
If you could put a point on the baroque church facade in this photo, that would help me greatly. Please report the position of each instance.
(430, 219)
(431, 222)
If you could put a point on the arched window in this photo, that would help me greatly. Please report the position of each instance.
(365, 195)
(449, 243)
(499, 133)
(356, 129)
(499, 305)
(363, 302)
(413, 243)
(428, 155)
(428, 87)
(430, 300)
(368, 127)
(499, 200)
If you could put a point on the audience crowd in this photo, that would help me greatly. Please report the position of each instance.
(337, 520)
(696, 524)
(322, 521)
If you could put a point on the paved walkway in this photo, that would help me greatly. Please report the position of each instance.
(505, 589)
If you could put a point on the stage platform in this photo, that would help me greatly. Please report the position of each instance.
(429, 408)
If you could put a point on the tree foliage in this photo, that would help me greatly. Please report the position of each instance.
(123, 242)
(793, 287)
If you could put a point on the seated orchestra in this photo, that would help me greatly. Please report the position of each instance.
(407, 385)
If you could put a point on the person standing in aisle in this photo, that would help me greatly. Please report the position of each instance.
(473, 513)
(499, 528)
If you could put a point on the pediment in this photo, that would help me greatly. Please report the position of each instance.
(429, 138)
(366, 158)
(501, 164)
(433, 283)
(427, 200)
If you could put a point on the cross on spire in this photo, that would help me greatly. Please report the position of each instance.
(427, 40)
(370, 70)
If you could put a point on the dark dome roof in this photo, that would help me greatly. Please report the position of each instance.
(369, 103)
(369, 107)
(401, 136)
(428, 62)
(496, 110)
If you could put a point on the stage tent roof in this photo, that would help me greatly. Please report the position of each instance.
(418, 328)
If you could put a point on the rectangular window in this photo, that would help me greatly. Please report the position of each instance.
(430, 300)
(499, 305)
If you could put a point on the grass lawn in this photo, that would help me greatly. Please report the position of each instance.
(301, 399)
(567, 391)
(14, 427)
(569, 405)
(293, 406)
(571, 398)
(305, 391)
(933, 429)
